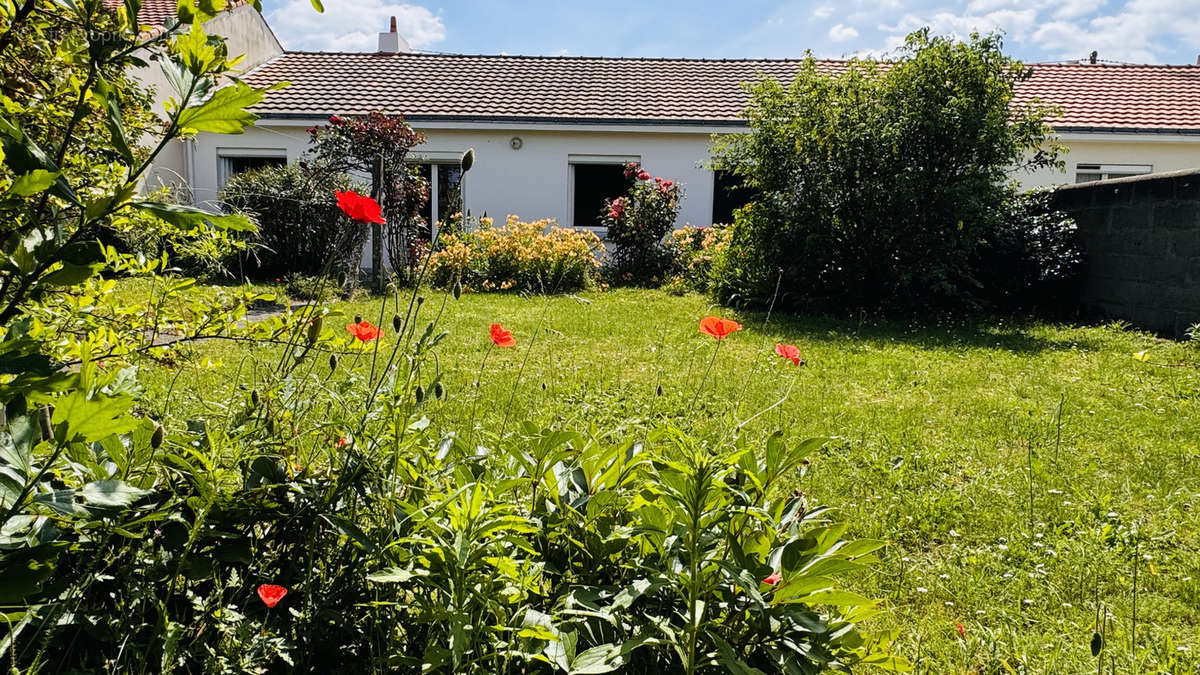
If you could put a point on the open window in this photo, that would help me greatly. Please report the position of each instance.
(445, 180)
(729, 195)
(594, 180)
(1086, 173)
(232, 161)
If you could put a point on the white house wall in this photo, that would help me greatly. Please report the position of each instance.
(1162, 152)
(533, 182)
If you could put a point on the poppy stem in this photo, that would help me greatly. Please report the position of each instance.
(704, 378)
(478, 387)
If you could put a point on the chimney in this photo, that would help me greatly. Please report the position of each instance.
(391, 42)
(1091, 57)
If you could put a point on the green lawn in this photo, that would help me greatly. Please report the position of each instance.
(935, 427)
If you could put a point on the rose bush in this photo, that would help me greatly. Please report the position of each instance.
(638, 223)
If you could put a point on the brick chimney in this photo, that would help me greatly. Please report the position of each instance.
(391, 42)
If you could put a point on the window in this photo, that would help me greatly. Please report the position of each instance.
(1086, 173)
(728, 195)
(445, 182)
(231, 161)
(593, 181)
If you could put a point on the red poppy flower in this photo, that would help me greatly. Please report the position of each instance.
(271, 594)
(642, 175)
(359, 208)
(340, 443)
(962, 630)
(364, 331)
(718, 327)
(789, 352)
(502, 337)
(773, 579)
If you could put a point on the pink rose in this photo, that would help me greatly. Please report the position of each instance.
(669, 183)
(643, 176)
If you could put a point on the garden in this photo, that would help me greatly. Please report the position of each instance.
(856, 429)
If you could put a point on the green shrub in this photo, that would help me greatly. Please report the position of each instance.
(692, 251)
(877, 187)
(520, 256)
(638, 223)
(300, 229)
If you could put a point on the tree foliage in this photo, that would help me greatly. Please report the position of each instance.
(878, 185)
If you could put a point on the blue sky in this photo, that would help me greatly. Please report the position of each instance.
(1140, 31)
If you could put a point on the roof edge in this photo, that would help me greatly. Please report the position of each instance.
(626, 121)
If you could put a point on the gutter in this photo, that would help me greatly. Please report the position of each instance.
(518, 119)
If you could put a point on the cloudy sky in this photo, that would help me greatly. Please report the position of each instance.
(1141, 31)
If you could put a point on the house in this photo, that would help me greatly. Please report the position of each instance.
(551, 133)
(246, 33)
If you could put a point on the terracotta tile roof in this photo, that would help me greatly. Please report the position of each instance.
(450, 86)
(155, 13)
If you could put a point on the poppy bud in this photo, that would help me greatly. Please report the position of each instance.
(314, 329)
(270, 426)
(396, 322)
(332, 362)
(255, 399)
(44, 416)
(457, 290)
(468, 160)
(419, 393)
(420, 300)
(358, 318)
(156, 438)
(543, 386)
(439, 390)
(658, 391)
(1097, 644)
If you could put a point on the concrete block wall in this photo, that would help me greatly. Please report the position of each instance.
(1141, 241)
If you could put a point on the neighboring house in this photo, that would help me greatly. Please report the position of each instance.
(245, 32)
(551, 133)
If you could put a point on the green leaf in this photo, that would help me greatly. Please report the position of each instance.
(111, 493)
(600, 659)
(23, 155)
(190, 216)
(38, 180)
(318, 6)
(393, 575)
(224, 112)
(94, 418)
(70, 275)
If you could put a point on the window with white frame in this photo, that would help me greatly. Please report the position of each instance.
(1086, 173)
(594, 180)
(232, 161)
(445, 181)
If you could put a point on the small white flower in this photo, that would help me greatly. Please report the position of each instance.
(922, 589)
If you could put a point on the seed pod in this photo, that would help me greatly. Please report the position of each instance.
(457, 290)
(419, 393)
(358, 318)
(658, 391)
(1097, 644)
(543, 386)
(397, 322)
(255, 398)
(314, 329)
(439, 391)
(45, 413)
(468, 160)
(332, 362)
(420, 300)
(156, 438)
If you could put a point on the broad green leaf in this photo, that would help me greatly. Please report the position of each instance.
(38, 180)
(23, 155)
(392, 575)
(111, 493)
(190, 216)
(224, 112)
(599, 659)
(318, 6)
(94, 418)
(71, 275)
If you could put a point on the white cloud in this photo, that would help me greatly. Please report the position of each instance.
(823, 12)
(352, 25)
(1136, 33)
(841, 33)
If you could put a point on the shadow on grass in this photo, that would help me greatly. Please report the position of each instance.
(1016, 335)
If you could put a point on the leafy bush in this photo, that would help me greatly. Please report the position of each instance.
(692, 251)
(300, 228)
(877, 187)
(516, 256)
(637, 225)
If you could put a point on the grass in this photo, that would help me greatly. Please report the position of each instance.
(1014, 468)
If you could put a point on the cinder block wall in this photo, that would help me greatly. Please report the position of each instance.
(1141, 239)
